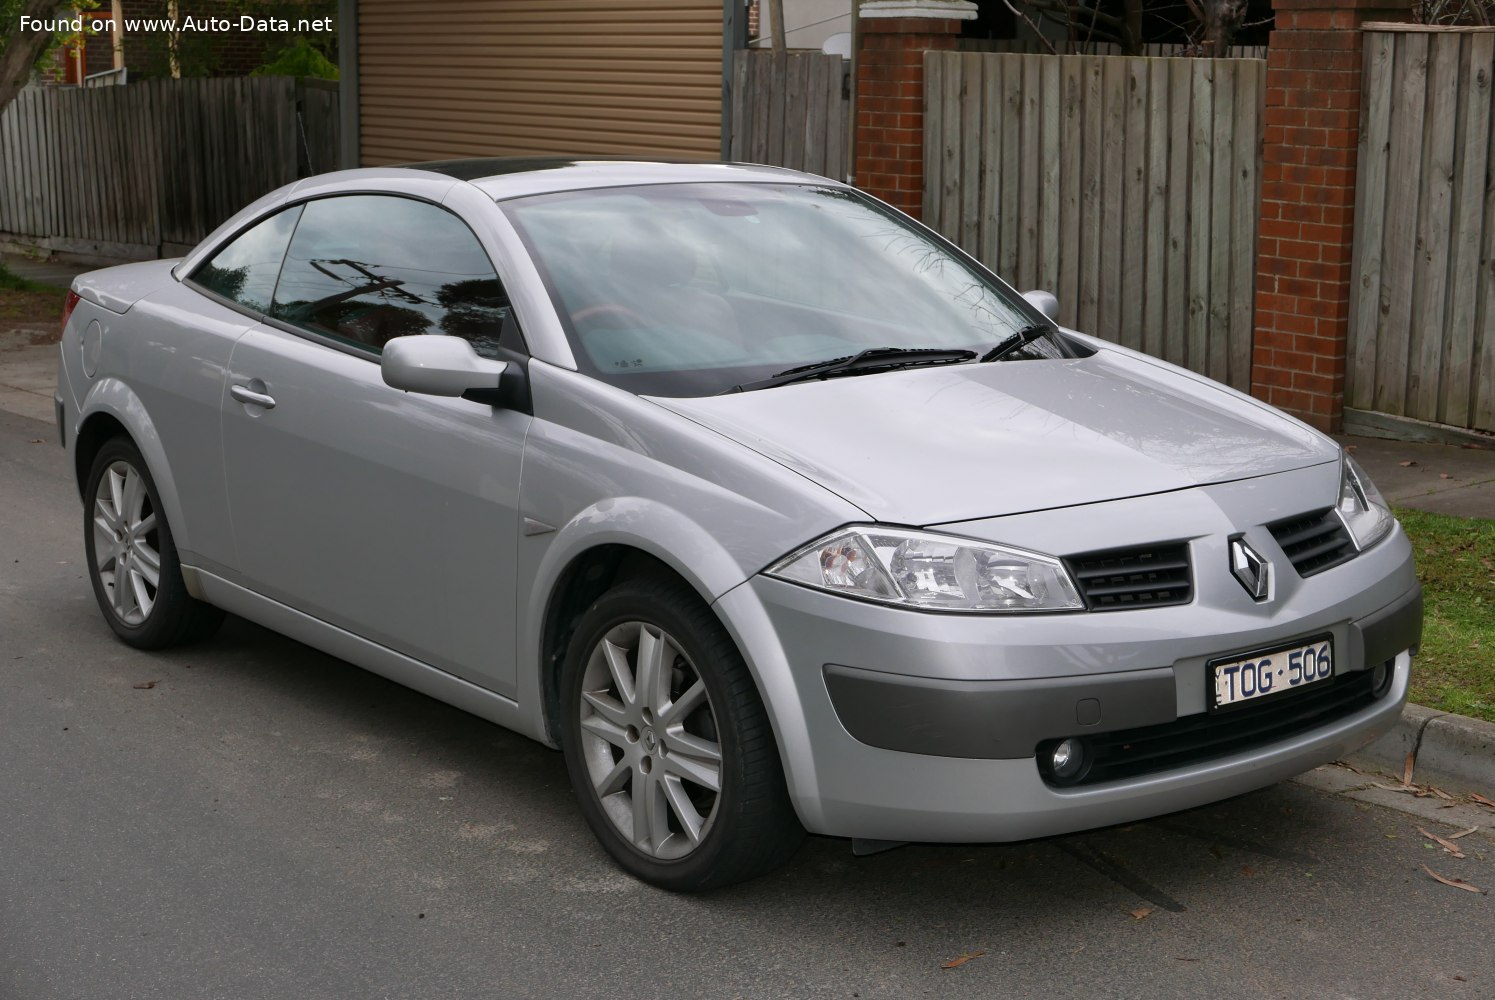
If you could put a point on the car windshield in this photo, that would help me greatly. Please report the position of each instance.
(692, 289)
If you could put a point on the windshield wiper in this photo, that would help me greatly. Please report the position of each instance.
(871, 360)
(1022, 338)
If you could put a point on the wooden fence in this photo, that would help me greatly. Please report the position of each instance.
(1129, 187)
(790, 110)
(1151, 49)
(1423, 293)
(150, 168)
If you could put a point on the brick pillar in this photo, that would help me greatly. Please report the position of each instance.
(1308, 205)
(895, 34)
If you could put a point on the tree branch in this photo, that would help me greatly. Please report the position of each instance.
(1029, 22)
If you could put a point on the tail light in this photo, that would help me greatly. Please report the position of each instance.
(68, 305)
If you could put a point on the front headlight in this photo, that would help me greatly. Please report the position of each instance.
(1365, 513)
(917, 569)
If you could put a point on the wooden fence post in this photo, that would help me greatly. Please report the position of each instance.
(895, 34)
(1308, 205)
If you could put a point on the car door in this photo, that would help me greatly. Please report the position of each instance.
(393, 515)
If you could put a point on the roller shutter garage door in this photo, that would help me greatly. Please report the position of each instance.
(450, 78)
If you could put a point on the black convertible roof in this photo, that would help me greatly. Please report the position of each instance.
(496, 166)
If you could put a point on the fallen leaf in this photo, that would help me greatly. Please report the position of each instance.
(1247, 870)
(1406, 465)
(1463, 833)
(1447, 845)
(1457, 883)
(145, 685)
(1142, 912)
(1409, 789)
(1481, 800)
(1348, 447)
(1444, 475)
(1418, 791)
(37, 441)
(1407, 767)
(1180, 958)
(956, 963)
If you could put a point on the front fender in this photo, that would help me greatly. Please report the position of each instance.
(110, 397)
(655, 528)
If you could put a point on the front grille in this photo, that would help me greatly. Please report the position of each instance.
(1129, 753)
(1313, 542)
(1146, 576)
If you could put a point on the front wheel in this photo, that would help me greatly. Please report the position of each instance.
(132, 560)
(668, 745)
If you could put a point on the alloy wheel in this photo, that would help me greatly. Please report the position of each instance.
(126, 544)
(649, 740)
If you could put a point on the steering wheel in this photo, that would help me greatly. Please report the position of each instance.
(588, 316)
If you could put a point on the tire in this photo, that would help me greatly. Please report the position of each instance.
(703, 726)
(127, 542)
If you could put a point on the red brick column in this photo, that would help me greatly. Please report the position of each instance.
(1308, 205)
(890, 96)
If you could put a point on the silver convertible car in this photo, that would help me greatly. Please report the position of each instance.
(769, 507)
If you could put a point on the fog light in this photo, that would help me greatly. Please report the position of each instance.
(1067, 759)
(1380, 678)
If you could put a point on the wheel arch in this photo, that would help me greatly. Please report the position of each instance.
(113, 410)
(594, 552)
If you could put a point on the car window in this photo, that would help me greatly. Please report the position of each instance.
(246, 268)
(366, 268)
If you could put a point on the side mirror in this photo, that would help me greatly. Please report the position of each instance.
(1044, 302)
(438, 365)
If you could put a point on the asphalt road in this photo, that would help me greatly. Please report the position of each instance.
(266, 821)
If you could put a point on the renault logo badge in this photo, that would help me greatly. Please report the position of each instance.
(1250, 568)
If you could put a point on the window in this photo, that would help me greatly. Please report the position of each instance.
(245, 270)
(690, 289)
(367, 268)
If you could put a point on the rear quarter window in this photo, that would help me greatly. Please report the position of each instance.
(246, 268)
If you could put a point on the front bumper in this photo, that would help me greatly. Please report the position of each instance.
(903, 725)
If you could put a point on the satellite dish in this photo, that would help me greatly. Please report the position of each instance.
(838, 44)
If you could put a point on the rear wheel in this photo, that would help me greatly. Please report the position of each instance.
(132, 561)
(668, 745)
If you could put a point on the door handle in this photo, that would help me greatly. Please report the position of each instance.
(249, 397)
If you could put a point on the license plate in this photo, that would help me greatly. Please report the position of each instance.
(1243, 679)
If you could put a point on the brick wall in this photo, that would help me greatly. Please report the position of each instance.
(228, 53)
(1312, 128)
(890, 106)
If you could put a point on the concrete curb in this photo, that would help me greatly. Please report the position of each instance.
(1449, 750)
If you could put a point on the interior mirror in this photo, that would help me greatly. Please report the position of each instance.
(438, 365)
(1044, 302)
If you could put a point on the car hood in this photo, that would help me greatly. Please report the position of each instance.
(935, 445)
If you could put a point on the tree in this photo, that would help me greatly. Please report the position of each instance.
(22, 48)
(1199, 27)
(1216, 22)
(1086, 21)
